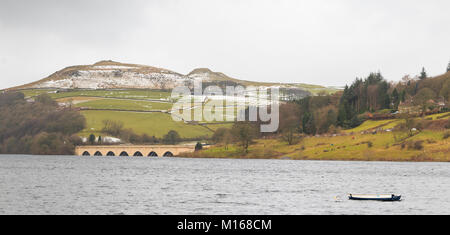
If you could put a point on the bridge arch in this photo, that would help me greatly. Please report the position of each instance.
(131, 150)
(153, 154)
(138, 154)
(168, 154)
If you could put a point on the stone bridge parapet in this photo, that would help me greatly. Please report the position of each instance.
(134, 150)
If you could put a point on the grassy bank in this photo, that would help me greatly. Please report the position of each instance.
(379, 147)
(358, 144)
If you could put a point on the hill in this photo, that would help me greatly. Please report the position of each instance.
(116, 75)
(110, 75)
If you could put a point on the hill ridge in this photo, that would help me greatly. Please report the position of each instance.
(109, 74)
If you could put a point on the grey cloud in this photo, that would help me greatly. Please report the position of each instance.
(320, 42)
(82, 20)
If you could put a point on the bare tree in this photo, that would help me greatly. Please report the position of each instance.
(245, 133)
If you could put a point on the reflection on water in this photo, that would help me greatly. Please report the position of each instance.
(113, 185)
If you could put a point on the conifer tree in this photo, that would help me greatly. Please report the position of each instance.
(423, 74)
(395, 98)
(92, 139)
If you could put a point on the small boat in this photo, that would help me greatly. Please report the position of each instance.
(374, 197)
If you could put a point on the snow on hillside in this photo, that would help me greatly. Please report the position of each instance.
(114, 67)
(201, 77)
(109, 77)
(115, 75)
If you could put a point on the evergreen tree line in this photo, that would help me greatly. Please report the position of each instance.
(324, 114)
(364, 95)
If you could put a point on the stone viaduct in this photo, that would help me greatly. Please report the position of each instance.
(134, 150)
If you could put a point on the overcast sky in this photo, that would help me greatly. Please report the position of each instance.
(316, 41)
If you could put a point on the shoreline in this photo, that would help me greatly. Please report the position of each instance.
(310, 159)
(237, 158)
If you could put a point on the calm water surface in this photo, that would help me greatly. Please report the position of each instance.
(88, 185)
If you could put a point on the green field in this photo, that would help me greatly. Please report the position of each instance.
(214, 127)
(153, 124)
(368, 125)
(118, 104)
(35, 92)
(124, 94)
(390, 123)
(439, 116)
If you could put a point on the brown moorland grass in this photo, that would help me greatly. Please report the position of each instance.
(430, 144)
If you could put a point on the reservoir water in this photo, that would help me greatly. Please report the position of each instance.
(119, 185)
